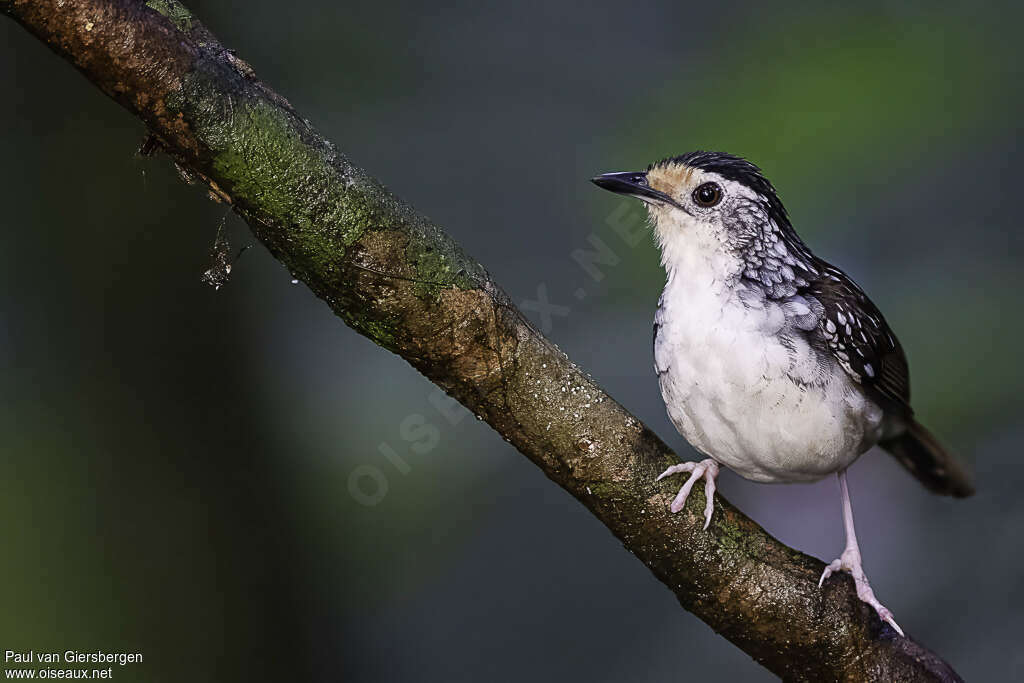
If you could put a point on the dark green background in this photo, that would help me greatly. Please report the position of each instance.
(176, 460)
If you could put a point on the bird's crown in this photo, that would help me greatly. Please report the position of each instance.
(667, 173)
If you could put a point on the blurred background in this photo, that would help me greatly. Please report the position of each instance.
(177, 462)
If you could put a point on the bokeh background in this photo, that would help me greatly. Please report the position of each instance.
(176, 461)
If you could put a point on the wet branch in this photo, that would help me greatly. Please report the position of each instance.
(397, 278)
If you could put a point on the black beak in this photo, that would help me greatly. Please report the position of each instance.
(632, 184)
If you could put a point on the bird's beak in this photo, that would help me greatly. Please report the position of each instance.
(633, 184)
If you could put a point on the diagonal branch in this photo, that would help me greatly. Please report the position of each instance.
(339, 230)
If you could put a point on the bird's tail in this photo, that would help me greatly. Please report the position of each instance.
(936, 468)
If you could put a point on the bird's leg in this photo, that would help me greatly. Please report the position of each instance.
(850, 560)
(705, 468)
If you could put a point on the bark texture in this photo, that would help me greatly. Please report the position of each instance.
(400, 280)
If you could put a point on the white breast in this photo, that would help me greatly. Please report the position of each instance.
(772, 410)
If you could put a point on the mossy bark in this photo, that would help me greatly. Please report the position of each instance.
(400, 280)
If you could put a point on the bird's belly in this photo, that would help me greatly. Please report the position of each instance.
(772, 412)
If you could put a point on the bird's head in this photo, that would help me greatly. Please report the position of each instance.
(704, 203)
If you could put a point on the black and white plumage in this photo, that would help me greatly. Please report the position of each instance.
(771, 361)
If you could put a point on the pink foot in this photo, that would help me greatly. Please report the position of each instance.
(850, 562)
(708, 469)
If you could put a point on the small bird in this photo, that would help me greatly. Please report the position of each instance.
(771, 361)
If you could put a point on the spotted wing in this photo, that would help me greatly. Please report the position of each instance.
(853, 329)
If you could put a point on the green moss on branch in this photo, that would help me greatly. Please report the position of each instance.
(268, 160)
(173, 10)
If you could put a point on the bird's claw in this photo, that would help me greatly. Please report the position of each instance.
(708, 469)
(850, 562)
(833, 566)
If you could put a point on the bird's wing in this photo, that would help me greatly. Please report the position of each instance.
(854, 331)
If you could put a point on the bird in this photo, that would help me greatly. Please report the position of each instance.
(770, 360)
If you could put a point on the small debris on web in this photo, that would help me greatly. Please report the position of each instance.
(219, 271)
(220, 258)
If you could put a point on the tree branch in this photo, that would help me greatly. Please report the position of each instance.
(340, 231)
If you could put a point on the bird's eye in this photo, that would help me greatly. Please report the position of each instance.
(707, 195)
